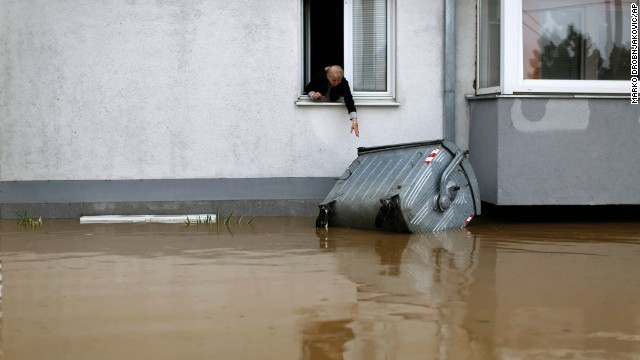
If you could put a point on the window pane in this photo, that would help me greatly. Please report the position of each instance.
(489, 44)
(576, 39)
(370, 45)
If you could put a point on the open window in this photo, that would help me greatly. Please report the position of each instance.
(356, 34)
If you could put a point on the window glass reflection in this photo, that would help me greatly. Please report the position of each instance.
(576, 39)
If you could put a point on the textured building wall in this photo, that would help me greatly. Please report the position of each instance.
(142, 89)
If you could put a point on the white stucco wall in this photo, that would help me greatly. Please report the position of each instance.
(159, 89)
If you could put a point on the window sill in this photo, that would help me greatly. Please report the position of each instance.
(546, 96)
(304, 100)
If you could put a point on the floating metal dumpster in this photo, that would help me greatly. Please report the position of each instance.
(414, 187)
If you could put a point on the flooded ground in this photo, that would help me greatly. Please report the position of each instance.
(277, 289)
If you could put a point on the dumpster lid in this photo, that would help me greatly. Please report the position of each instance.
(446, 143)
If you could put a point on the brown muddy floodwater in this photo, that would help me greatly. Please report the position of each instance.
(276, 289)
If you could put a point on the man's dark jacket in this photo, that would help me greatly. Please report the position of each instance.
(320, 83)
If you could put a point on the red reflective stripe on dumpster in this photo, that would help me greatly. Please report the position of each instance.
(466, 222)
(433, 154)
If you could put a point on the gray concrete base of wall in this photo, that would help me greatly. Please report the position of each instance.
(243, 208)
(246, 197)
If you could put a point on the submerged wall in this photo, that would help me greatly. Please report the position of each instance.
(106, 91)
(536, 150)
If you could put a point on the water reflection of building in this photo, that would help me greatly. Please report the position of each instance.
(556, 291)
(412, 294)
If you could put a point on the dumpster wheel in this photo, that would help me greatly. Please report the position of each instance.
(322, 221)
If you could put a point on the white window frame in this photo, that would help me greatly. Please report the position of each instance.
(366, 96)
(489, 89)
(348, 52)
(512, 79)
